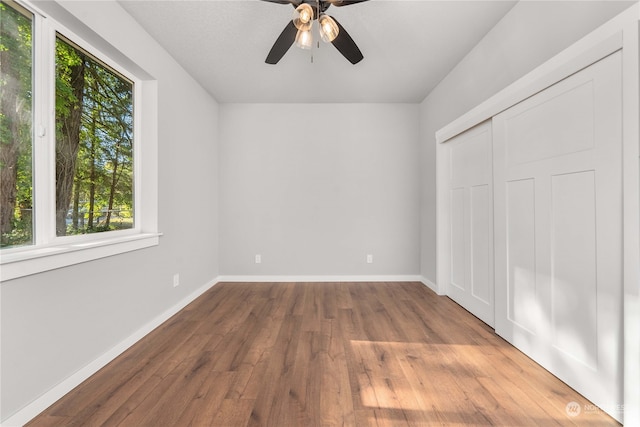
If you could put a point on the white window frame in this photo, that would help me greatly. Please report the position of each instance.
(49, 251)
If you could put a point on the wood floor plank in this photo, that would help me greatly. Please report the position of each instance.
(232, 413)
(181, 391)
(250, 379)
(321, 354)
(336, 398)
(205, 404)
(273, 399)
(343, 296)
(313, 307)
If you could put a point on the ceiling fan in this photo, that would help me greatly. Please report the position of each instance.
(298, 30)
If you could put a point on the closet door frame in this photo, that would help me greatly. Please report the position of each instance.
(621, 33)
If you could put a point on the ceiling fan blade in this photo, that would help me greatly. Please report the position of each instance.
(282, 44)
(339, 3)
(345, 44)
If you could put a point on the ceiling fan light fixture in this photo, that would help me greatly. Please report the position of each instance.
(328, 28)
(304, 39)
(303, 17)
(299, 30)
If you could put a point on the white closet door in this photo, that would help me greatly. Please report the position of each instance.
(471, 222)
(558, 229)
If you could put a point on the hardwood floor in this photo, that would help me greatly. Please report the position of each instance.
(321, 354)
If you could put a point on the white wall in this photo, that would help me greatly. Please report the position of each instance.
(313, 188)
(530, 34)
(55, 323)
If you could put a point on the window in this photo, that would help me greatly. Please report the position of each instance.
(71, 147)
(94, 144)
(16, 142)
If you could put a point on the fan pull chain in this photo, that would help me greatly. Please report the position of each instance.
(316, 17)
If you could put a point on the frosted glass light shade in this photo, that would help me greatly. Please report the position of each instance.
(303, 17)
(328, 28)
(304, 39)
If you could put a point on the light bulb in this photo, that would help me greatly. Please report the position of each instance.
(303, 17)
(304, 39)
(328, 28)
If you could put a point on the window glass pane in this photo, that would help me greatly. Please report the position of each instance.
(94, 144)
(16, 138)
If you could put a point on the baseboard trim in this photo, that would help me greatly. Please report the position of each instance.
(320, 278)
(429, 284)
(34, 408)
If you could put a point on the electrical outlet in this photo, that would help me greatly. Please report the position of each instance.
(258, 258)
(369, 259)
(176, 280)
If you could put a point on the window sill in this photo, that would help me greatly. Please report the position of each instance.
(37, 260)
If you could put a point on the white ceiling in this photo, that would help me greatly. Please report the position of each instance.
(408, 47)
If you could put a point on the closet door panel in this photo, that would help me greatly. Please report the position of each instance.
(558, 229)
(470, 276)
(530, 142)
(480, 244)
(521, 257)
(574, 259)
(458, 241)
